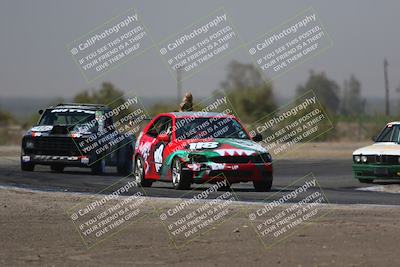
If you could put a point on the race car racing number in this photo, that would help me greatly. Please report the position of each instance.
(203, 145)
(158, 157)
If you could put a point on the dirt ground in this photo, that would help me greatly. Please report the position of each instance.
(36, 231)
(324, 150)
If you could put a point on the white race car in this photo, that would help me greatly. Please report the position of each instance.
(380, 160)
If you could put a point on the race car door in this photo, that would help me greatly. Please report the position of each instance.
(155, 159)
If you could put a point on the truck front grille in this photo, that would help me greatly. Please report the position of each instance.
(64, 146)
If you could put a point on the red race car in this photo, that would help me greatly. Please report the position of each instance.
(198, 147)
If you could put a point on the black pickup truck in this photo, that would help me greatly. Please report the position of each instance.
(77, 135)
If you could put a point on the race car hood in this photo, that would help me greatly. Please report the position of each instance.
(46, 130)
(381, 148)
(41, 130)
(222, 146)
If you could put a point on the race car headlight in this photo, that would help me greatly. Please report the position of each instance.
(266, 157)
(198, 158)
(29, 144)
(364, 159)
(262, 158)
(357, 159)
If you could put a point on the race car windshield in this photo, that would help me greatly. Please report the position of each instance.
(70, 117)
(389, 134)
(200, 128)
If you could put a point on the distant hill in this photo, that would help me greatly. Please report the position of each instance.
(23, 107)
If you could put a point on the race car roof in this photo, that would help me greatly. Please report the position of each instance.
(198, 114)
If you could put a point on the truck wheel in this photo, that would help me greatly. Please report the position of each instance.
(366, 181)
(27, 167)
(180, 181)
(264, 185)
(125, 163)
(139, 174)
(99, 167)
(57, 168)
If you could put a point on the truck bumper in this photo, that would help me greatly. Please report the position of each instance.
(77, 161)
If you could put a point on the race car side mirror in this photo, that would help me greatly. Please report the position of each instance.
(257, 138)
(163, 138)
(40, 111)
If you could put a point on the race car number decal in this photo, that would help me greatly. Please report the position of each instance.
(158, 157)
(203, 145)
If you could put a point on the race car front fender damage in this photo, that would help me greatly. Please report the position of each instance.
(209, 171)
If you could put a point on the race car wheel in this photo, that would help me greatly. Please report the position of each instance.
(27, 167)
(264, 185)
(99, 167)
(180, 181)
(139, 173)
(366, 181)
(226, 187)
(57, 168)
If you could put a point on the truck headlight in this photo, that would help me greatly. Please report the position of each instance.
(364, 159)
(357, 159)
(29, 144)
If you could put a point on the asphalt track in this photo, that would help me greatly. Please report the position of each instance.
(334, 177)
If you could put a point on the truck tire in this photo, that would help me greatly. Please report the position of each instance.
(99, 167)
(27, 167)
(125, 161)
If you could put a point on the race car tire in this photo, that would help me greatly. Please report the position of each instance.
(366, 181)
(125, 163)
(27, 167)
(180, 180)
(99, 167)
(57, 168)
(264, 185)
(227, 187)
(139, 174)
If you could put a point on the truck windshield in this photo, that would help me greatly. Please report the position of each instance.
(389, 134)
(67, 117)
